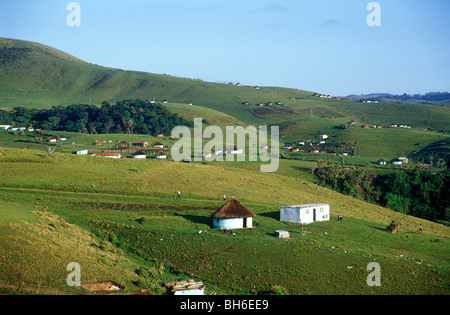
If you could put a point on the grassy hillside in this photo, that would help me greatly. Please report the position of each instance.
(129, 209)
(38, 76)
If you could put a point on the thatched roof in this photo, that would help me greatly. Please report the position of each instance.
(232, 209)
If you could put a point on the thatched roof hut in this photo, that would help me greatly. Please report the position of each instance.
(232, 215)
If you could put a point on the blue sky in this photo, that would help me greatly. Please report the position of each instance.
(317, 45)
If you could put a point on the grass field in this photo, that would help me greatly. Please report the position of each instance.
(121, 221)
(124, 217)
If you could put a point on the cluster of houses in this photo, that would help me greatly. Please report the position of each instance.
(352, 123)
(261, 104)
(152, 101)
(322, 95)
(397, 161)
(136, 155)
(310, 145)
(17, 128)
(54, 139)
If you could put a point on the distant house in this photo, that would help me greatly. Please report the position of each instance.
(4, 127)
(306, 213)
(233, 149)
(396, 161)
(301, 143)
(109, 155)
(278, 103)
(190, 103)
(294, 149)
(365, 126)
(143, 144)
(323, 137)
(159, 134)
(286, 147)
(52, 140)
(351, 122)
(160, 155)
(122, 144)
(14, 128)
(184, 287)
(403, 159)
(62, 138)
(158, 144)
(139, 155)
(233, 215)
(393, 126)
(82, 152)
(245, 103)
(164, 101)
(206, 154)
(30, 129)
(381, 162)
(404, 126)
(313, 150)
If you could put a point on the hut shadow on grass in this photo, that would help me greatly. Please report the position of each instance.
(273, 215)
(199, 219)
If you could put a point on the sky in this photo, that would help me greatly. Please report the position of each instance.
(325, 46)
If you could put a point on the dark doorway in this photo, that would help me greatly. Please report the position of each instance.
(314, 214)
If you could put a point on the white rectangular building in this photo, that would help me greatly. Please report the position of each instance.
(305, 214)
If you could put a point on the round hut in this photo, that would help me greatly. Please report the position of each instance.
(233, 215)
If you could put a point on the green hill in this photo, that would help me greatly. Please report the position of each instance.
(120, 218)
(38, 76)
(129, 227)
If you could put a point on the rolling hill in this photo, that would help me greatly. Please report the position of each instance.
(121, 221)
(38, 76)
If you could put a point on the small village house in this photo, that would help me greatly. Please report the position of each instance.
(143, 144)
(52, 140)
(403, 159)
(122, 144)
(233, 149)
(158, 144)
(306, 213)
(160, 155)
(396, 161)
(82, 152)
(206, 154)
(381, 162)
(139, 155)
(30, 129)
(233, 215)
(183, 287)
(159, 134)
(5, 127)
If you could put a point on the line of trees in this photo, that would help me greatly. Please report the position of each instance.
(419, 193)
(128, 116)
